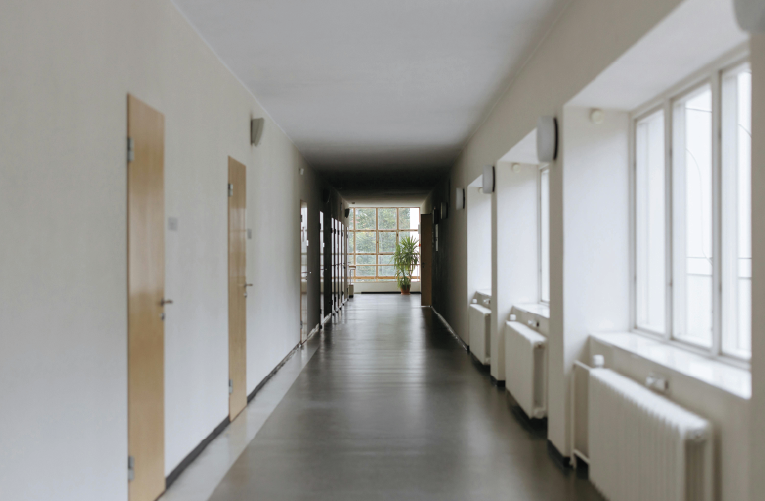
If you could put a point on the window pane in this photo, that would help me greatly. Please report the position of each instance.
(737, 212)
(385, 259)
(386, 219)
(365, 219)
(350, 243)
(351, 219)
(412, 234)
(365, 242)
(692, 213)
(386, 271)
(650, 224)
(351, 260)
(387, 241)
(365, 259)
(544, 243)
(365, 271)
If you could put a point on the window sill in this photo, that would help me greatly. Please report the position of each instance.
(715, 373)
(539, 309)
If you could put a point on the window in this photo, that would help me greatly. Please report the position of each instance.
(544, 235)
(650, 259)
(692, 216)
(736, 211)
(372, 237)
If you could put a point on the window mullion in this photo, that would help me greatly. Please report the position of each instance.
(717, 213)
(668, 221)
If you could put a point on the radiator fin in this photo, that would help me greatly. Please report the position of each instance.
(479, 326)
(526, 368)
(644, 446)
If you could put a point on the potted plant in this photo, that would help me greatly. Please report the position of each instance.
(405, 260)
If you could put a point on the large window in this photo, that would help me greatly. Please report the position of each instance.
(692, 214)
(372, 237)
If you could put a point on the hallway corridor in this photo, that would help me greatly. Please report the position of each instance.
(391, 406)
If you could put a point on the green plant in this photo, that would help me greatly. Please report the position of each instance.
(405, 260)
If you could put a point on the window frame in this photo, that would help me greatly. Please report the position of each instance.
(712, 75)
(397, 231)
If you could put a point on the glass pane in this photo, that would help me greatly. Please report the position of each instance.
(351, 260)
(650, 224)
(365, 259)
(544, 230)
(692, 212)
(365, 242)
(386, 271)
(365, 271)
(387, 241)
(737, 212)
(365, 219)
(385, 259)
(412, 234)
(351, 241)
(386, 219)
(351, 219)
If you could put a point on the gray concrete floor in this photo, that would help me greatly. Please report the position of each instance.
(392, 407)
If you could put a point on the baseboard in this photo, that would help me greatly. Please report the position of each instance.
(449, 328)
(559, 459)
(191, 456)
(272, 373)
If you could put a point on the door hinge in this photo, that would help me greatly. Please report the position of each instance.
(131, 468)
(230, 190)
(130, 149)
(230, 386)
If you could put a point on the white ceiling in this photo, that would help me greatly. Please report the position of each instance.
(375, 86)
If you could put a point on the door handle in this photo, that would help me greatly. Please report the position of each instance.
(247, 285)
(165, 301)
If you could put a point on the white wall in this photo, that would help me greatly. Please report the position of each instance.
(67, 68)
(514, 251)
(593, 246)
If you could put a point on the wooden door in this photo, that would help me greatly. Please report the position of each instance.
(146, 290)
(303, 271)
(426, 259)
(237, 287)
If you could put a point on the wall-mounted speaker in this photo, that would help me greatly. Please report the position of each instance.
(436, 215)
(256, 130)
(547, 139)
(488, 179)
(325, 195)
(347, 212)
(459, 199)
(750, 15)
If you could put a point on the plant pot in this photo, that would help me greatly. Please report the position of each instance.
(405, 290)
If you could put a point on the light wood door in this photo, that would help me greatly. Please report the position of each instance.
(303, 271)
(146, 289)
(426, 259)
(237, 287)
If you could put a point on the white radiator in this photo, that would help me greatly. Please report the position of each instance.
(526, 368)
(479, 325)
(642, 446)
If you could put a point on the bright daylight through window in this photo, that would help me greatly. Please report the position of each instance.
(705, 239)
(372, 237)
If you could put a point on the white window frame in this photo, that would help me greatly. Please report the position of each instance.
(545, 168)
(711, 75)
